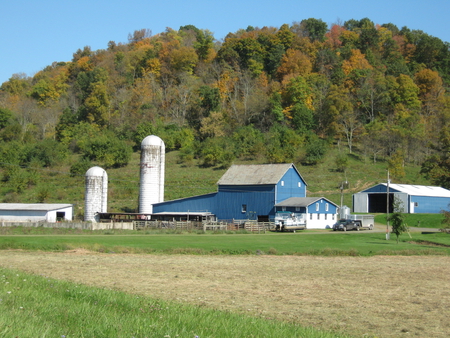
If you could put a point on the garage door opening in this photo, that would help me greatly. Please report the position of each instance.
(378, 203)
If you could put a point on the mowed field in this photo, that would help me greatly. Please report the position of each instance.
(378, 296)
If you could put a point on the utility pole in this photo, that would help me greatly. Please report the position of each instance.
(387, 207)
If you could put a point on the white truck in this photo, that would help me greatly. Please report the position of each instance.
(285, 220)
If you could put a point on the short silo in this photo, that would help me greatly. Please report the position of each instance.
(153, 152)
(96, 195)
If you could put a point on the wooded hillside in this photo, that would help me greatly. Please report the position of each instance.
(290, 94)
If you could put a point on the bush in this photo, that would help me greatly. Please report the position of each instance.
(48, 152)
(80, 167)
(109, 150)
(315, 150)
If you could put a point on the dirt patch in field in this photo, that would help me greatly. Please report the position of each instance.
(377, 296)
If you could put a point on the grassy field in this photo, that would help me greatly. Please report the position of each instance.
(321, 243)
(36, 306)
(58, 186)
(218, 284)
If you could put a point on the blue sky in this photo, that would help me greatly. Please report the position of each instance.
(34, 34)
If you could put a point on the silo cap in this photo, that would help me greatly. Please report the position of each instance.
(95, 171)
(152, 140)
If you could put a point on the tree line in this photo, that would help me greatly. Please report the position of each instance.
(273, 94)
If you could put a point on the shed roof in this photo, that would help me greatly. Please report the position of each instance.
(419, 190)
(254, 174)
(33, 206)
(301, 201)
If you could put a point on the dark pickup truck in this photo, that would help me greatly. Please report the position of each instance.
(347, 224)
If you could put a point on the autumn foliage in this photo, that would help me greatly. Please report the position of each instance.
(379, 89)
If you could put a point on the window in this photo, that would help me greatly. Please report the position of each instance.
(326, 206)
(318, 216)
(283, 208)
(310, 216)
(326, 216)
(244, 208)
(297, 208)
(282, 183)
(416, 204)
(332, 216)
(299, 184)
(317, 206)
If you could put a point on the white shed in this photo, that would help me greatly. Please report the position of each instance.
(35, 212)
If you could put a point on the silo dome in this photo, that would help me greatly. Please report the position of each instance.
(96, 194)
(151, 188)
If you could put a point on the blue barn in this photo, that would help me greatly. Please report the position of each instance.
(415, 198)
(244, 192)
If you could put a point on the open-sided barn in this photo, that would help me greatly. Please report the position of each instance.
(414, 198)
(35, 212)
(250, 192)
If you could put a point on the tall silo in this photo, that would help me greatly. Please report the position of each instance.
(153, 153)
(96, 194)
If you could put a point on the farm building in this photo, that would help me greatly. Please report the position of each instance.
(315, 212)
(246, 192)
(415, 198)
(36, 212)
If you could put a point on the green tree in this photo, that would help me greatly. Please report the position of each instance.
(397, 219)
(315, 29)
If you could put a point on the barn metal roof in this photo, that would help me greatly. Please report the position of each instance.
(254, 174)
(301, 201)
(419, 190)
(33, 206)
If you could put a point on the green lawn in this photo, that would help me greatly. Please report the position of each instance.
(364, 243)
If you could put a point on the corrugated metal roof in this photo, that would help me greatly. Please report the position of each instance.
(255, 174)
(420, 190)
(33, 206)
(298, 201)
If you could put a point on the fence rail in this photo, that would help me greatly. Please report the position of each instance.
(252, 226)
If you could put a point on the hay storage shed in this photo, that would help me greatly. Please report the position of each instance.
(35, 212)
(415, 198)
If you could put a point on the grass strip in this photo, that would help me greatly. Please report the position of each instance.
(36, 306)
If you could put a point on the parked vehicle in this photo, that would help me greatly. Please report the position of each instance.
(285, 220)
(347, 224)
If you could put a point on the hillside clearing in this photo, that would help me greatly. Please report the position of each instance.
(379, 296)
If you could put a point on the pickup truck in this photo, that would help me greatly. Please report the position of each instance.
(347, 224)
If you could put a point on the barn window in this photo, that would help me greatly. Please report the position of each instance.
(326, 206)
(317, 206)
(282, 183)
(310, 216)
(332, 216)
(318, 216)
(326, 216)
(244, 208)
(416, 204)
(299, 184)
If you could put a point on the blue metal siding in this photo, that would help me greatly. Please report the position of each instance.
(259, 201)
(430, 205)
(197, 203)
(288, 186)
(227, 205)
(332, 209)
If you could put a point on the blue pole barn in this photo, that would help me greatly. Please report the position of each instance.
(414, 198)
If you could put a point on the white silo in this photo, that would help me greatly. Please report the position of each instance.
(96, 194)
(153, 153)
